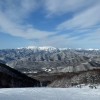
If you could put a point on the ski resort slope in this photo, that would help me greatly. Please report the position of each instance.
(49, 94)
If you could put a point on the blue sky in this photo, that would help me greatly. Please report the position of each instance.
(58, 23)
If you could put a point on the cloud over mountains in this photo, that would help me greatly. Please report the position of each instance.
(79, 24)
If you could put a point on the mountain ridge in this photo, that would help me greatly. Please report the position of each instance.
(47, 66)
(46, 48)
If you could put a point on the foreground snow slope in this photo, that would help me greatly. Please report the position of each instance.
(50, 94)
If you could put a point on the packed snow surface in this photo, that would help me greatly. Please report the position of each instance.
(49, 94)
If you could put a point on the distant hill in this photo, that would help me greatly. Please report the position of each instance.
(12, 78)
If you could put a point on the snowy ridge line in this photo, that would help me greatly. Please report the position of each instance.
(45, 48)
(51, 48)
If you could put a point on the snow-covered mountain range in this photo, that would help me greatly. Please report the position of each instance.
(49, 63)
(51, 48)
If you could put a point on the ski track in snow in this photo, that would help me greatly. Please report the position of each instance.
(49, 94)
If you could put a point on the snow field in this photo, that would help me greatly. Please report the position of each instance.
(50, 94)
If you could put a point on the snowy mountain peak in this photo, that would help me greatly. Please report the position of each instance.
(45, 48)
(90, 49)
(31, 47)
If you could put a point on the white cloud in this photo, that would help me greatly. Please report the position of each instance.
(56, 41)
(86, 19)
(86, 24)
(90, 40)
(17, 9)
(57, 7)
(27, 32)
(18, 12)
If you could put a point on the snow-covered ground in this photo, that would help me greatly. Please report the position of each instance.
(50, 94)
